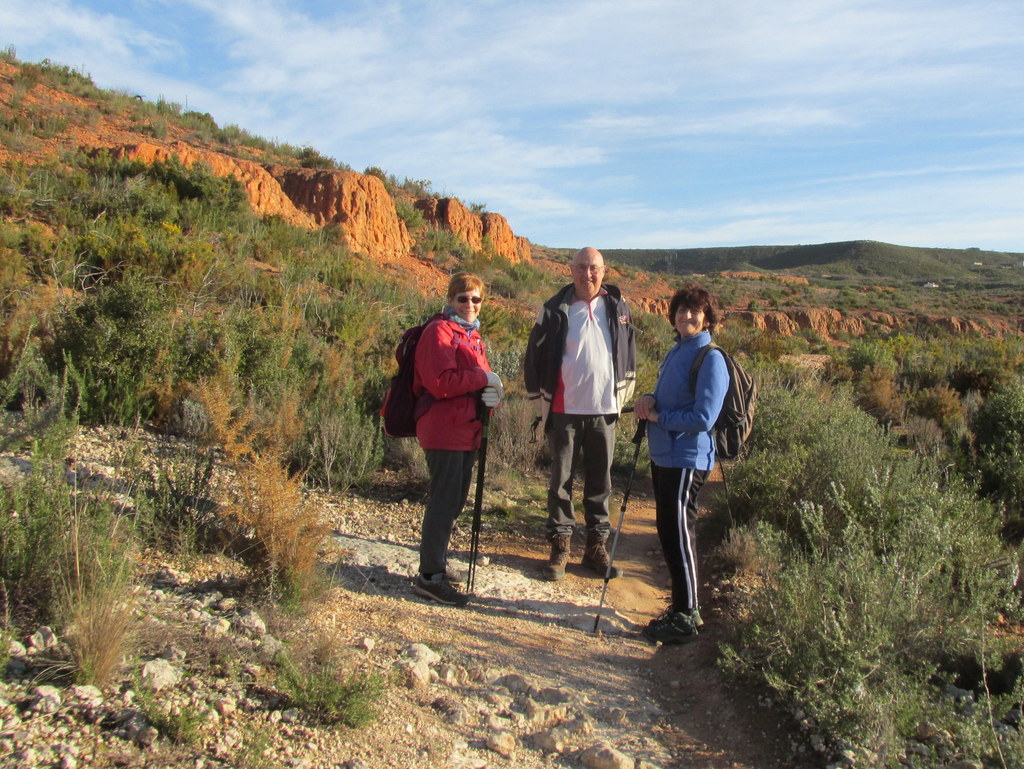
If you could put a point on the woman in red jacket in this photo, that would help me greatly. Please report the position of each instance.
(452, 373)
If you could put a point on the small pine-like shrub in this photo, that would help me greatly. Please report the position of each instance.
(512, 441)
(343, 443)
(181, 723)
(35, 510)
(315, 685)
(176, 500)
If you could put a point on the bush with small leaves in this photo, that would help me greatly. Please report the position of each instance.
(998, 427)
(113, 344)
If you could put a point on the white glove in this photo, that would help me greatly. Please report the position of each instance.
(489, 396)
(493, 380)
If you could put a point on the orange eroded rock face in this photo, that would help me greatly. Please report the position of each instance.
(451, 215)
(265, 194)
(360, 203)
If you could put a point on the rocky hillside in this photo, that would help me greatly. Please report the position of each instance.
(360, 205)
(43, 121)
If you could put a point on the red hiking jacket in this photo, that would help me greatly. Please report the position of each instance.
(450, 366)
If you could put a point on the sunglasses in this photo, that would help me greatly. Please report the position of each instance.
(462, 299)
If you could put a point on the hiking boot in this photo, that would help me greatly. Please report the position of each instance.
(440, 589)
(661, 618)
(596, 557)
(554, 570)
(673, 627)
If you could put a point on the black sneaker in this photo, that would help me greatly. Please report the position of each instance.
(673, 627)
(440, 590)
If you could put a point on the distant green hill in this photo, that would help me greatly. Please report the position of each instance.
(867, 258)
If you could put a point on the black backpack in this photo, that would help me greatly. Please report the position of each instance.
(736, 420)
(401, 407)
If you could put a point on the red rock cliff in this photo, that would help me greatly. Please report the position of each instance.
(265, 194)
(359, 203)
(449, 214)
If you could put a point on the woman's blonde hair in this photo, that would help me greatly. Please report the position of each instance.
(464, 281)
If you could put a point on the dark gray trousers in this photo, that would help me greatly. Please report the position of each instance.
(571, 437)
(451, 472)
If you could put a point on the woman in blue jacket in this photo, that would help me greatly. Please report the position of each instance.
(682, 448)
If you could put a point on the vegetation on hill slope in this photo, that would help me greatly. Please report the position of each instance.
(866, 258)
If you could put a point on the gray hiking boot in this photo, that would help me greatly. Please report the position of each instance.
(596, 557)
(554, 570)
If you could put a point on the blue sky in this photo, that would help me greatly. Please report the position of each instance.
(643, 124)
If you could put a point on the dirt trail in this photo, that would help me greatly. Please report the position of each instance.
(712, 724)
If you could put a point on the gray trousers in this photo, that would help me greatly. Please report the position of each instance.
(451, 472)
(569, 437)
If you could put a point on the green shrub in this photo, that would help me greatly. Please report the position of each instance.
(512, 442)
(314, 684)
(443, 244)
(181, 724)
(867, 353)
(176, 503)
(519, 279)
(890, 602)
(897, 556)
(998, 427)
(111, 345)
(342, 445)
(409, 214)
(35, 510)
(804, 442)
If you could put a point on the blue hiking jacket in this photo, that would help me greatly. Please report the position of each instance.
(681, 437)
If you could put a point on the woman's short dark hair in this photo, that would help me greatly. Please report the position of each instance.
(695, 297)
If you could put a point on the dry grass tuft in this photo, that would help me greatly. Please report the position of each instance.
(98, 604)
(269, 513)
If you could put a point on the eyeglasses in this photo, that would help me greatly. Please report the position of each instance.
(462, 299)
(594, 268)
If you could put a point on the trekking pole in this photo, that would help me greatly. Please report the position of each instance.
(474, 541)
(638, 439)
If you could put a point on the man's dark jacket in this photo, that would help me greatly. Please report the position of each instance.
(543, 362)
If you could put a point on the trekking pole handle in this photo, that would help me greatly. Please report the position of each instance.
(641, 430)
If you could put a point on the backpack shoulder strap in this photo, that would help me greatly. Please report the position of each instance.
(701, 355)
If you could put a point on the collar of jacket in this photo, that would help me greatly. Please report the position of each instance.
(567, 294)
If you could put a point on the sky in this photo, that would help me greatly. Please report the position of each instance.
(616, 124)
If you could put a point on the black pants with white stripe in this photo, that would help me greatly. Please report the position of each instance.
(675, 499)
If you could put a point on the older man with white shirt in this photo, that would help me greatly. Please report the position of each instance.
(580, 370)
